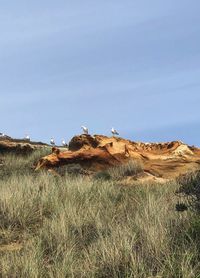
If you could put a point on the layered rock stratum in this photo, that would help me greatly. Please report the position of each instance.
(160, 160)
(19, 146)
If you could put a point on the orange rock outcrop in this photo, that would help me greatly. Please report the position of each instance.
(18, 146)
(166, 160)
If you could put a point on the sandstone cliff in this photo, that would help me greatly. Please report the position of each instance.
(19, 146)
(162, 160)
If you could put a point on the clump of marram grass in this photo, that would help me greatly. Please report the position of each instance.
(71, 170)
(18, 164)
(102, 175)
(77, 227)
(130, 168)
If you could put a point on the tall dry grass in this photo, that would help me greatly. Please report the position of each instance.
(82, 227)
(130, 168)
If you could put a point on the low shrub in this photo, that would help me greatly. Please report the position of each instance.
(190, 186)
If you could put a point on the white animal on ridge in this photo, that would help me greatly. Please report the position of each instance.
(2, 134)
(27, 137)
(52, 142)
(114, 131)
(64, 143)
(85, 129)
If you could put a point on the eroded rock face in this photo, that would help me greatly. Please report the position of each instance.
(165, 160)
(18, 146)
(83, 141)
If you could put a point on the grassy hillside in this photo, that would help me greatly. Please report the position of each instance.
(75, 226)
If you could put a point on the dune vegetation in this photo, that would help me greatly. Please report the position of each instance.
(81, 226)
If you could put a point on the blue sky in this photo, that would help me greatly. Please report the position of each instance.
(133, 65)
